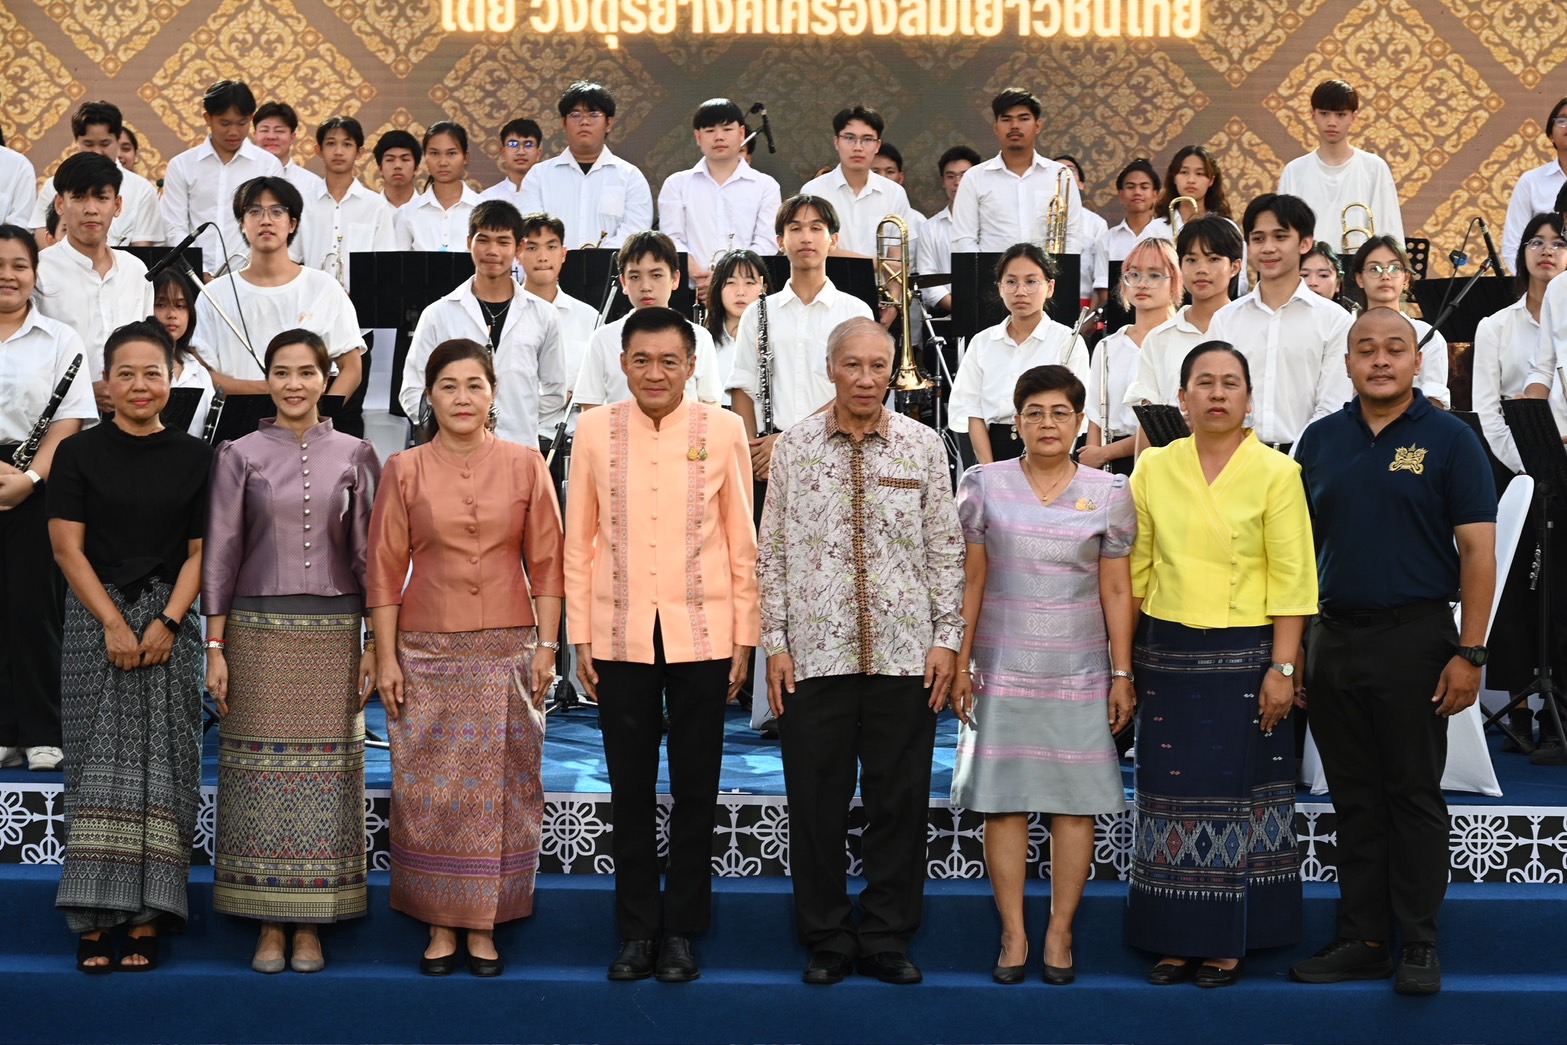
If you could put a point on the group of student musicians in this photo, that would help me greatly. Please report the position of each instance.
(496, 367)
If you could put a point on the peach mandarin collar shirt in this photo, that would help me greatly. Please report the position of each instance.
(483, 536)
(659, 526)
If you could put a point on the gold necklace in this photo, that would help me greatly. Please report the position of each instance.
(1051, 492)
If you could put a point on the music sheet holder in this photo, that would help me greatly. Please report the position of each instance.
(1486, 298)
(1162, 424)
(976, 303)
(1540, 446)
(243, 414)
(390, 288)
(854, 276)
(180, 410)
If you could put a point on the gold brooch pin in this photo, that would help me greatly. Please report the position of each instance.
(1085, 505)
(696, 453)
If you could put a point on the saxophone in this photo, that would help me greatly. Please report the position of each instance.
(29, 449)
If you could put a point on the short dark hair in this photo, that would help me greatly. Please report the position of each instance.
(594, 97)
(890, 151)
(495, 216)
(149, 330)
(522, 127)
(1141, 165)
(282, 190)
(1556, 110)
(656, 321)
(715, 112)
(224, 95)
(1555, 221)
(1076, 163)
(445, 354)
(652, 244)
(24, 237)
(453, 129)
(172, 278)
(398, 140)
(299, 336)
(90, 114)
(87, 172)
(1216, 233)
(346, 124)
(277, 111)
(52, 221)
(1335, 96)
(1291, 211)
(532, 224)
(1011, 98)
(1030, 252)
(870, 117)
(1051, 378)
(1214, 346)
(790, 209)
(956, 153)
(1357, 264)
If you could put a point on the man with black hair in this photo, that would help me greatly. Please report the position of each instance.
(341, 215)
(18, 187)
(543, 253)
(1005, 200)
(522, 145)
(200, 183)
(521, 331)
(1293, 339)
(81, 282)
(721, 204)
(1336, 174)
(277, 129)
(97, 127)
(602, 198)
(1539, 190)
(859, 195)
(933, 253)
(397, 156)
(1138, 186)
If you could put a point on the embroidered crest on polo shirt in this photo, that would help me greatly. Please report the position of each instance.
(1409, 459)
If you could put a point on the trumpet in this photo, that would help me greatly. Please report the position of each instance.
(1177, 223)
(1368, 230)
(895, 284)
(1056, 215)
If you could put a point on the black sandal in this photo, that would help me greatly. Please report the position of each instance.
(86, 950)
(143, 947)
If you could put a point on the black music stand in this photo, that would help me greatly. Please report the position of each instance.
(1486, 298)
(1162, 424)
(977, 305)
(853, 276)
(243, 414)
(391, 288)
(1540, 446)
(180, 410)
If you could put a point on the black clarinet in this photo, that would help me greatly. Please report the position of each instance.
(764, 371)
(25, 453)
(209, 427)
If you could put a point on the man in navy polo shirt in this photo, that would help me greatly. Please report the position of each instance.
(1404, 508)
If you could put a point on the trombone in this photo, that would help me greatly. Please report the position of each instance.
(895, 284)
(1177, 223)
(1056, 215)
(1367, 231)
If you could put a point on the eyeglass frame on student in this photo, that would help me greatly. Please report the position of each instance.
(585, 115)
(277, 212)
(519, 143)
(1144, 279)
(1030, 286)
(1542, 246)
(1392, 269)
(864, 140)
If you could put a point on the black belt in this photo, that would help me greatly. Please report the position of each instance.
(1283, 448)
(1393, 615)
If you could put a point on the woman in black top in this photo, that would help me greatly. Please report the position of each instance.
(127, 509)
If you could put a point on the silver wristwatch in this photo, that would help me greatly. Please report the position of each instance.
(1287, 670)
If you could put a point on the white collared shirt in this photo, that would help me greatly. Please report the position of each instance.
(18, 188)
(601, 380)
(529, 365)
(1158, 375)
(1550, 347)
(312, 300)
(611, 201)
(1296, 355)
(194, 375)
(306, 181)
(993, 362)
(423, 224)
(1093, 227)
(577, 322)
(332, 230)
(706, 219)
(1117, 242)
(995, 208)
(933, 254)
(139, 221)
(1504, 345)
(860, 213)
(797, 349)
(1363, 178)
(72, 292)
(1535, 193)
(199, 187)
(1433, 363)
(1120, 352)
(32, 362)
(506, 192)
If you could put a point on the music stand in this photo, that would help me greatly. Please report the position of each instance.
(1162, 424)
(1540, 446)
(243, 414)
(854, 276)
(180, 410)
(976, 304)
(391, 288)
(1486, 298)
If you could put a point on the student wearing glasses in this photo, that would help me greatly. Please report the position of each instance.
(1381, 269)
(1537, 189)
(860, 195)
(522, 145)
(601, 197)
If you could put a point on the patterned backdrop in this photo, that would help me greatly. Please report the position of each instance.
(1454, 90)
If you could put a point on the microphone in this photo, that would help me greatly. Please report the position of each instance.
(760, 109)
(178, 253)
(1490, 248)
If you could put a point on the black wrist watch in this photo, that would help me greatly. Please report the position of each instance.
(1475, 655)
(172, 625)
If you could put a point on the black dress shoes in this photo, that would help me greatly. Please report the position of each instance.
(1008, 974)
(1060, 975)
(445, 965)
(486, 967)
(676, 963)
(1164, 974)
(634, 962)
(890, 967)
(1213, 976)
(827, 967)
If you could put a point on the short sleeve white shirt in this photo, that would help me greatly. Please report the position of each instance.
(18, 188)
(333, 230)
(312, 300)
(32, 362)
(995, 208)
(991, 366)
(199, 187)
(1119, 351)
(423, 224)
(70, 291)
(859, 213)
(610, 202)
(1158, 375)
(706, 219)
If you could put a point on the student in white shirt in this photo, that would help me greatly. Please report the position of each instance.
(888, 162)
(130, 150)
(1093, 227)
(933, 252)
(1005, 200)
(860, 197)
(722, 203)
(1381, 269)
(1193, 172)
(277, 129)
(522, 145)
(739, 278)
(397, 157)
(342, 216)
(521, 332)
(602, 198)
(81, 281)
(200, 183)
(649, 270)
(271, 294)
(1294, 341)
(97, 127)
(1336, 174)
(543, 253)
(437, 218)
(1538, 187)
(174, 307)
(1137, 186)
(1150, 287)
(18, 188)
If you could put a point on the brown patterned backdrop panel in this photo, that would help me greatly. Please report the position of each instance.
(1454, 91)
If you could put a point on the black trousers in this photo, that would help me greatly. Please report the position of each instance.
(32, 601)
(631, 712)
(880, 726)
(1383, 749)
(1005, 445)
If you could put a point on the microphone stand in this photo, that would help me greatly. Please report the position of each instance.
(1458, 258)
(1452, 306)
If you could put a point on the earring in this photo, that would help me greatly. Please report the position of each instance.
(493, 419)
(1014, 430)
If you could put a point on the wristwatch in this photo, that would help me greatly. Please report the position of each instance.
(1475, 655)
(1287, 670)
(172, 625)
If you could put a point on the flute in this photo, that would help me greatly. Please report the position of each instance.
(29, 449)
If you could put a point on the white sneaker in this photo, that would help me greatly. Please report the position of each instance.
(42, 759)
(11, 757)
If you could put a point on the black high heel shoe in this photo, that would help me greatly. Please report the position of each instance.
(1011, 974)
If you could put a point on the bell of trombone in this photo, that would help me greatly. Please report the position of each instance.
(895, 285)
(1177, 223)
(1366, 231)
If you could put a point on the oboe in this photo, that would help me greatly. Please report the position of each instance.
(764, 372)
(29, 449)
(209, 427)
